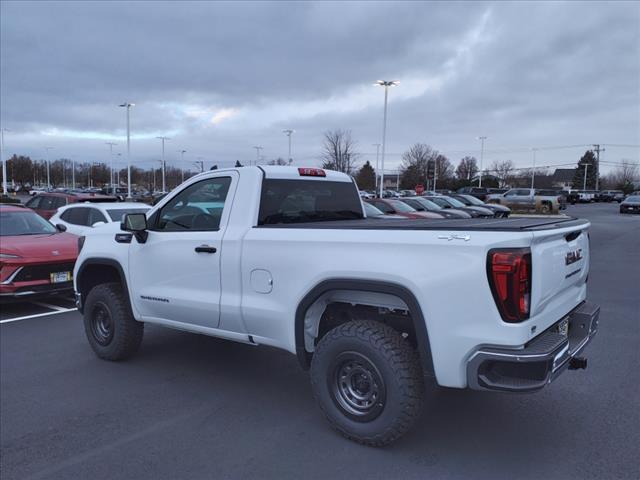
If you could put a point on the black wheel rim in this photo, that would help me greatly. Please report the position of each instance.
(101, 324)
(357, 386)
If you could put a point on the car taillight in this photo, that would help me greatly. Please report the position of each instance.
(509, 272)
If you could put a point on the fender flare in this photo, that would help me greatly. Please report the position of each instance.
(422, 336)
(105, 262)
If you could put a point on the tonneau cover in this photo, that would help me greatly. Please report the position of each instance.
(466, 224)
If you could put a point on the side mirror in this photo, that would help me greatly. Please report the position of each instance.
(61, 228)
(135, 223)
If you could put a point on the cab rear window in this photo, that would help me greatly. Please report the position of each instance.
(302, 201)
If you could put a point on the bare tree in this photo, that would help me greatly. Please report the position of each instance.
(503, 170)
(467, 168)
(417, 165)
(624, 176)
(278, 161)
(339, 151)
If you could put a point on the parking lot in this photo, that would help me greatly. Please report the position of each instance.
(190, 406)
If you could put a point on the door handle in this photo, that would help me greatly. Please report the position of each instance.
(206, 249)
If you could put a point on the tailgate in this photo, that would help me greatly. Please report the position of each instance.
(560, 266)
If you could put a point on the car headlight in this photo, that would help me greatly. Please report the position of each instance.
(8, 255)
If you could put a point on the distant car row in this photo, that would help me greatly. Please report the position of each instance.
(434, 206)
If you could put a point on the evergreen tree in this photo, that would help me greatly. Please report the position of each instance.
(588, 162)
(366, 177)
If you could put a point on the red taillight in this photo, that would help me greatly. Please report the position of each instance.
(311, 172)
(509, 272)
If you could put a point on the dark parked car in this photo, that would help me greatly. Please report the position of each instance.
(631, 204)
(46, 204)
(610, 196)
(499, 211)
(422, 204)
(478, 192)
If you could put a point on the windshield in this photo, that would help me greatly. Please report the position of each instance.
(371, 211)
(633, 198)
(470, 200)
(117, 214)
(453, 202)
(400, 206)
(24, 223)
(428, 204)
(301, 201)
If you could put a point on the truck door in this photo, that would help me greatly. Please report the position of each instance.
(175, 274)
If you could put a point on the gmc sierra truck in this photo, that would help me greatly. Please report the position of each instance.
(285, 256)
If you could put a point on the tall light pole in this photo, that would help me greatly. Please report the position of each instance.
(258, 150)
(47, 159)
(482, 139)
(4, 161)
(377, 145)
(533, 170)
(182, 152)
(386, 84)
(73, 173)
(288, 133)
(164, 189)
(118, 156)
(111, 144)
(128, 106)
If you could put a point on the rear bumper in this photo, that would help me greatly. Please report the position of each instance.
(541, 360)
(34, 290)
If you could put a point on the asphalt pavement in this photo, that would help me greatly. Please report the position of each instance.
(189, 406)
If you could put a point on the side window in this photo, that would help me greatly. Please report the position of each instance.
(59, 202)
(197, 208)
(96, 215)
(46, 203)
(34, 202)
(76, 216)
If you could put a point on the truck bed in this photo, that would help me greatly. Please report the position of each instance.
(463, 224)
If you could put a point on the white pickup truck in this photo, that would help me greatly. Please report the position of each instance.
(285, 257)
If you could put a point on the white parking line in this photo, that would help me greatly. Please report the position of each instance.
(52, 307)
(27, 317)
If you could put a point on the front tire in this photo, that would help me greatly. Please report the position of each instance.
(367, 381)
(112, 331)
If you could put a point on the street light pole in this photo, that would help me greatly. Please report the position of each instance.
(111, 144)
(128, 106)
(482, 139)
(4, 161)
(258, 150)
(164, 189)
(288, 134)
(386, 84)
(73, 173)
(118, 155)
(533, 170)
(377, 145)
(182, 152)
(48, 175)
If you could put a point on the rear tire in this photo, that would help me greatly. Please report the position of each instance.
(112, 331)
(367, 381)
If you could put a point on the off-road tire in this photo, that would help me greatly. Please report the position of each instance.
(123, 336)
(395, 363)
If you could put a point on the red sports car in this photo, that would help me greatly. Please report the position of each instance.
(36, 259)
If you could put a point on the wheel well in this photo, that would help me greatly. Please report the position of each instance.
(335, 302)
(95, 274)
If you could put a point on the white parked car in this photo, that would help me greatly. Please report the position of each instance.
(80, 218)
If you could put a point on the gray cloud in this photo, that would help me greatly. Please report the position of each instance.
(222, 77)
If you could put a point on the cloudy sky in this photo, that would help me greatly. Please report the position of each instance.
(220, 78)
